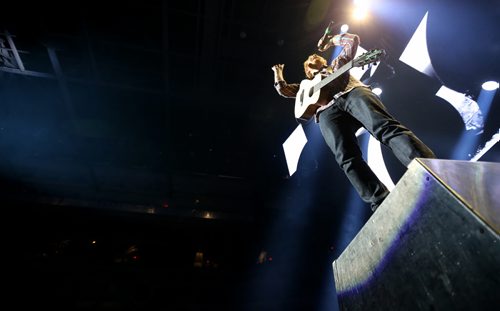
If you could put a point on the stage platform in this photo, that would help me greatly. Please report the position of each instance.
(432, 245)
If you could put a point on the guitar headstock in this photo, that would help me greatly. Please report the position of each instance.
(372, 56)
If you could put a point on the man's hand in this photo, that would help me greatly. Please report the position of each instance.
(325, 42)
(278, 72)
(278, 68)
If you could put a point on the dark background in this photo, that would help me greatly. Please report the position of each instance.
(143, 133)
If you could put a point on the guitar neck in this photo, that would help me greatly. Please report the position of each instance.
(333, 76)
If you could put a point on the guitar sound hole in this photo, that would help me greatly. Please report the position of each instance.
(301, 98)
(311, 92)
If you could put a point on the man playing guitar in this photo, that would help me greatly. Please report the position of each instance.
(343, 106)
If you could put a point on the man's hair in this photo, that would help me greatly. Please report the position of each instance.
(310, 58)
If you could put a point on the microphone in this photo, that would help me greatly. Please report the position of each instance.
(326, 36)
(329, 29)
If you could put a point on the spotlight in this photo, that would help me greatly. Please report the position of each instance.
(377, 91)
(490, 85)
(361, 8)
(344, 28)
(360, 13)
(363, 3)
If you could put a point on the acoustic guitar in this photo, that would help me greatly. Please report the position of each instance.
(310, 96)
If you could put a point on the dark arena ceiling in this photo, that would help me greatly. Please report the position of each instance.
(172, 101)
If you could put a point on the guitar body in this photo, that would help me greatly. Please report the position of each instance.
(309, 100)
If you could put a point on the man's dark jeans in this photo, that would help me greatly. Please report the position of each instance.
(362, 108)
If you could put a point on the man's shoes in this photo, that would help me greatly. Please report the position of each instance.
(374, 206)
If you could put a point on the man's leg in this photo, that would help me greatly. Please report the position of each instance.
(367, 108)
(338, 129)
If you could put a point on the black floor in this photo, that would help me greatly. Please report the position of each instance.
(87, 259)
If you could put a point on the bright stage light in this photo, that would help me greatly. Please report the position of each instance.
(360, 13)
(377, 91)
(361, 8)
(362, 3)
(344, 28)
(490, 85)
